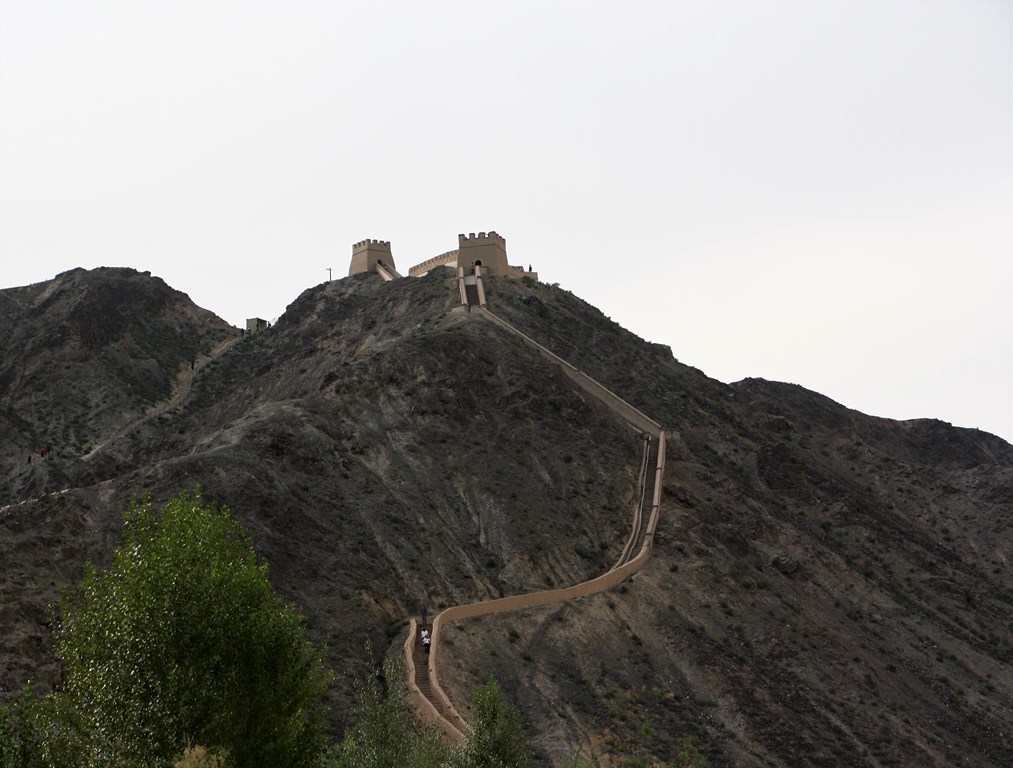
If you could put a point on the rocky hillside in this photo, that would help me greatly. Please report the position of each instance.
(827, 589)
(85, 353)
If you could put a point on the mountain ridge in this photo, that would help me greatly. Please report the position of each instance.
(387, 452)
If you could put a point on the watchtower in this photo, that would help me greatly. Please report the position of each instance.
(366, 253)
(486, 249)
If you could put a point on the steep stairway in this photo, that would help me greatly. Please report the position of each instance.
(433, 705)
(421, 661)
(647, 496)
(642, 517)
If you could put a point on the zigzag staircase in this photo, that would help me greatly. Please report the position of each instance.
(431, 702)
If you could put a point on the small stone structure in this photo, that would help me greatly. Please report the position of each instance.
(254, 324)
(486, 250)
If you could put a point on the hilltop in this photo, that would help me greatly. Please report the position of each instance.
(827, 588)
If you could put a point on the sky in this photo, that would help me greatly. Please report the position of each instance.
(811, 191)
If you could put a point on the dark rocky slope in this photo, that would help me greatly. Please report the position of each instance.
(84, 354)
(827, 588)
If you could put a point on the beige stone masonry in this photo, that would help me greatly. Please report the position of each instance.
(486, 250)
(385, 271)
(517, 602)
(444, 259)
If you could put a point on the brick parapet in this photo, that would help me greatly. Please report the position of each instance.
(373, 245)
(450, 257)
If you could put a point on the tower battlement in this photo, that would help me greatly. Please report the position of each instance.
(482, 238)
(380, 245)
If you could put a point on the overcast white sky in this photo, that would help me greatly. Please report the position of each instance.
(813, 191)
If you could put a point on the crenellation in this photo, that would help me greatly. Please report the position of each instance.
(380, 244)
(449, 258)
(482, 237)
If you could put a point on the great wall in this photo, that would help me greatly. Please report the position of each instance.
(485, 255)
(486, 250)
(478, 256)
(804, 530)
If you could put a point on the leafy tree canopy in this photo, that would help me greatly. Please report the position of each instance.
(183, 642)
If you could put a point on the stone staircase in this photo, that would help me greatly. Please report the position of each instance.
(421, 661)
(431, 704)
(647, 499)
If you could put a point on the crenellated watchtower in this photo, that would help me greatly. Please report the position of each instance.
(366, 253)
(487, 250)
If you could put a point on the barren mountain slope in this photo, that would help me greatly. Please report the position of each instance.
(85, 353)
(827, 588)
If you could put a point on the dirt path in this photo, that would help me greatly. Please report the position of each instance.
(180, 393)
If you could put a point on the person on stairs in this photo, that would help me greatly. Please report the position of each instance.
(426, 640)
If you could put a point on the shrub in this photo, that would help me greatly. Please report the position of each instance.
(496, 741)
(198, 757)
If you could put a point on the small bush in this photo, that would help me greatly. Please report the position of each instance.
(198, 757)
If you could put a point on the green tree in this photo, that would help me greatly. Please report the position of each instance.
(496, 739)
(182, 641)
(386, 732)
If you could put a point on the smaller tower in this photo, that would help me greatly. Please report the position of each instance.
(366, 253)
